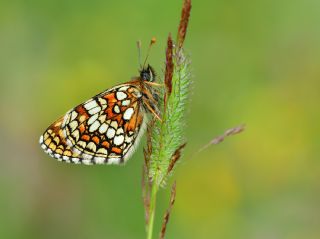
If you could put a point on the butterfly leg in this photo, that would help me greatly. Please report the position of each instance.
(152, 110)
(153, 84)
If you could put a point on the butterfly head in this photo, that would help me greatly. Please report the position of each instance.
(147, 74)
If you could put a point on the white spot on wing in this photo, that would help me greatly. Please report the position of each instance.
(66, 119)
(102, 151)
(113, 160)
(120, 131)
(114, 124)
(91, 146)
(76, 134)
(57, 156)
(94, 126)
(73, 115)
(87, 156)
(86, 161)
(110, 133)
(99, 160)
(102, 118)
(102, 101)
(121, 95)
(128, 139)
(92, 119)
(75, 160)
(73, 125)
(128, 113)
(90, 104)
(116, 109)
(82, 144)
(123, 88)
(118, 140)
(94, 110)
(103, 128)
(125, 102)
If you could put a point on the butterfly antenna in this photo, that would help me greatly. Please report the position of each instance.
(153, 41)
(139, 52)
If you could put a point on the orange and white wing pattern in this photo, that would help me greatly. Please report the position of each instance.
(103, 130)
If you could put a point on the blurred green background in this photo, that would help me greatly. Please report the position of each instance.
(254, 62)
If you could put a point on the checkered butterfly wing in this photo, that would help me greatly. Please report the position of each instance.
(103, 130)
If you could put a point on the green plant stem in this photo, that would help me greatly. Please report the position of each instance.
(153, 197)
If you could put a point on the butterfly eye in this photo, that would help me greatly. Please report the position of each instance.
(145, 75)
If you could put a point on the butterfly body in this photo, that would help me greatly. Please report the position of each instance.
(106, 128)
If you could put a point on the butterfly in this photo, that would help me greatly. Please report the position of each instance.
(107, 128)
